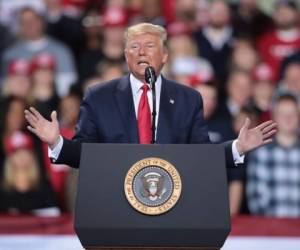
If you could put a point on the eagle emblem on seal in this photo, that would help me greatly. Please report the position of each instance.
(153, 186)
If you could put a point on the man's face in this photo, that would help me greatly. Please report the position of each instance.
(219, 14)
(285, 17)
(31, 25)
(145, 50)
(286, 115)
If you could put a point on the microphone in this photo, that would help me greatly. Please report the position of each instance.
(150, 78)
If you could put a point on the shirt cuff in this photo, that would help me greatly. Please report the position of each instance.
(55, 152)
(237, 158)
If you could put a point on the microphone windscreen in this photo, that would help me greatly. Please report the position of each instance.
(150, 76)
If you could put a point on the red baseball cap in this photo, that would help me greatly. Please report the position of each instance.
(178, 28)
(114, 17)
(17, 141)
(43, 60)
(263, 72)
(19, 66)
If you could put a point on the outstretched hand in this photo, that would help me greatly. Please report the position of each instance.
(250, 139)
(47, 131)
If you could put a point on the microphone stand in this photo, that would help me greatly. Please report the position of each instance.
(153, 111)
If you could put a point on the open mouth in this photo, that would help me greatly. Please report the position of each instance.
(143, 63)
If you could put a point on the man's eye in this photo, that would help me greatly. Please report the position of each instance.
(134, 46)
(150, 45)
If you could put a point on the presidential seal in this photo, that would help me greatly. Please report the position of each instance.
(152, 186)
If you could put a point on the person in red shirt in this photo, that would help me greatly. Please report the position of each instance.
(284, 41)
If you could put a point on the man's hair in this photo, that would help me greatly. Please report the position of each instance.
(144, 28)
(286, 97)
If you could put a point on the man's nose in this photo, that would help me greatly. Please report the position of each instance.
(142, 50)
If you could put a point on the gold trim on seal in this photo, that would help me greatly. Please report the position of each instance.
(169, 203)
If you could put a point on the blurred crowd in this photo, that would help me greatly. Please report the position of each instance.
(243, 57)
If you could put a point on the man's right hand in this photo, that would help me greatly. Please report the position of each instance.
(47, 131)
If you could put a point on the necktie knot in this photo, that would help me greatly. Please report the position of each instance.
(145, 87)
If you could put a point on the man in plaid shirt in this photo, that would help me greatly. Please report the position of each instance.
(273, 185)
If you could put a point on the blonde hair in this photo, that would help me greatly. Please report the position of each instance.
(33, 173)
(144, 28)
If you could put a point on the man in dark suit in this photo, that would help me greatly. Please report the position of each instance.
(120, 110)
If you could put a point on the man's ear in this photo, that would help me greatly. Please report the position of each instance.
(165, 56)
(125, 54)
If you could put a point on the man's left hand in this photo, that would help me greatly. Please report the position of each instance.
(250, 139)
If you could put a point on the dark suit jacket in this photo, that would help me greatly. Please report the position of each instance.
(107, 115)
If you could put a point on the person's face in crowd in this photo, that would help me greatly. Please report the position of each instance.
(53, 4)
(151, 9)
(69, 110)
(43, 83)
(240, 88)
(286, 115)
(285, 17)
(219, 14)
(15, 116)
(181, 46)
(22, 159)
(292, 78)
(248, 4)
(43, 76)
(262, 94)
(185, 9)
(18, 85)
(244, 56)
(145, 50)
(31, 25)
(114, 35)
(209, 95)
(91, 24)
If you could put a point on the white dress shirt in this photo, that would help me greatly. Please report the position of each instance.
(137, 93)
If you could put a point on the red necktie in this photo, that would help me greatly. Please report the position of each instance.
(144, 117)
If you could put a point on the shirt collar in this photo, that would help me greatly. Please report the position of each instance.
(136, 84)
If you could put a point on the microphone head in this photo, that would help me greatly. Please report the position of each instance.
(150, 76)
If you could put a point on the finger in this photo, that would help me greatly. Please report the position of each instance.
(31, 120)
(269, 128)
(29, 115)
(269, 134)
(36, 113)
(265, 142)
(246, 123)
(32, 130)
(54, 116)
(264, 124)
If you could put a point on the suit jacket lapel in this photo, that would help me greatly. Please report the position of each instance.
(125, 103)
(166, 112)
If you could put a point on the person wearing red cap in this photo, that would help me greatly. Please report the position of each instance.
(44, 97)
(17, 82)
(22, 187)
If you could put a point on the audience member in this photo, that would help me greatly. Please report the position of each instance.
(248, 20)
(215, 41)
(291, 79)
(17, 81)
(44, 96)
(33, 40)
(64, 28)
(284, 41)
(273, 172)
(23, 189)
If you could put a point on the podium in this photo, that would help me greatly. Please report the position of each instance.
(105, 219)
